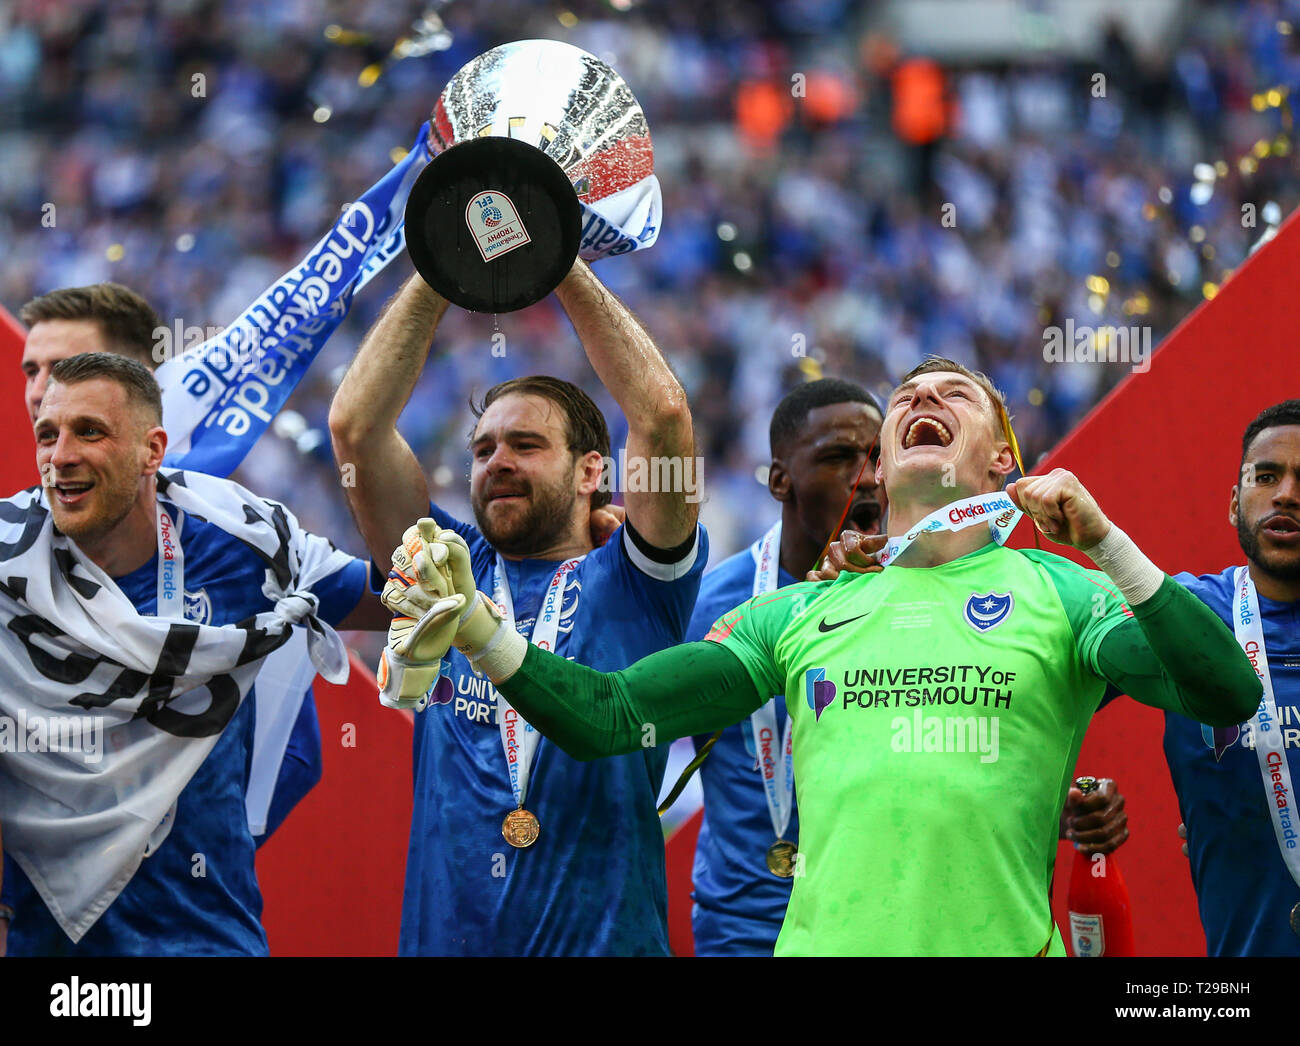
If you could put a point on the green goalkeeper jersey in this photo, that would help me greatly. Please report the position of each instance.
(938, 713)
(937, 716)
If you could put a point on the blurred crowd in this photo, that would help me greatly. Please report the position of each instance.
(195, 150)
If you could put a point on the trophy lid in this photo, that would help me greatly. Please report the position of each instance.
(493, 224)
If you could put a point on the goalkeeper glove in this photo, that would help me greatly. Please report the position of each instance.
(427, 612)
(483, 634)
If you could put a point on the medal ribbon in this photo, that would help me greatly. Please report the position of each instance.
(997, 510)
(518, 738)
(171, 569)
(1265, 726)
(171, 604)
(778, 782)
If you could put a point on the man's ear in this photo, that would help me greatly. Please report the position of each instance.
(779, 483)
(590, 468)
(1004, 462)
(1232, 507)
(155, 449)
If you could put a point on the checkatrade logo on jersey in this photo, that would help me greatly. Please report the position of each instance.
(818, 691)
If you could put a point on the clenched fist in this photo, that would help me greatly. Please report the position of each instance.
(1061, 508)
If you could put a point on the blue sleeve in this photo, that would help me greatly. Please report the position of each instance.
(300, 770)
(1214, 590)
(702, 619)
(341, 591)
(665, 605)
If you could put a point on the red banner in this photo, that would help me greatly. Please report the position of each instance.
(1160, 454)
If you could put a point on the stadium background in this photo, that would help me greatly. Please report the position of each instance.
(806, 150)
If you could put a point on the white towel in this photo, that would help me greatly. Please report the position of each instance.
(74, 652)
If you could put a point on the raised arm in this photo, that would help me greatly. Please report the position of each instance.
(382, 479)
(629, 365)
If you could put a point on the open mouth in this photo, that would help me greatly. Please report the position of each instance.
(71, 493)
(926, 431)
(1282, 528)
(864, 517)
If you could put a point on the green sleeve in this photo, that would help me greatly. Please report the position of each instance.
(752, 630)
(1092, 603)
(1171, 652)
(694, 688)
(1175, 654)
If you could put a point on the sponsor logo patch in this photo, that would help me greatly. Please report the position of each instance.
(819, 691)
(496, 225)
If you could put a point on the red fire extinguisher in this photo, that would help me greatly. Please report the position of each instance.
(1101, 921)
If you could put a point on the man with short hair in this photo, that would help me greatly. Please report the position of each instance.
(103, 317)
(1234, 782)
(515, 848)
(108, 317)
(821, 434)
(160, 857)
(942, 701)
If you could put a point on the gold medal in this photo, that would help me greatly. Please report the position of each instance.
(1295, 920)
(520, 828)
(780, 858)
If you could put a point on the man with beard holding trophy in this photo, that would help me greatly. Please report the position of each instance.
(515, 848)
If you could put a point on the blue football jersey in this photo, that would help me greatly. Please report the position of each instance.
(1243, 889)
(739, 904)
(593, 882)
(197, 894)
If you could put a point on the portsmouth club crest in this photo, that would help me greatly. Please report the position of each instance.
(989, 610)
(569, 603)
(198, 607)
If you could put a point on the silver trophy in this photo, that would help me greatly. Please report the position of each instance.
(541, 153)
